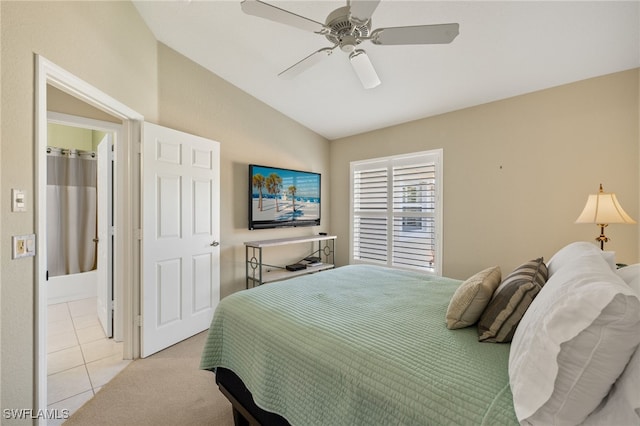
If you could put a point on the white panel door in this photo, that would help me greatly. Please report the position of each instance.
(105, 234)
(180, 251)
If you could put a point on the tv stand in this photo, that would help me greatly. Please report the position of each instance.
(258, 273)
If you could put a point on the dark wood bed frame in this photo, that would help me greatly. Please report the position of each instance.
(245, 410)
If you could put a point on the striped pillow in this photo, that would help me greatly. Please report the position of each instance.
(510, 301)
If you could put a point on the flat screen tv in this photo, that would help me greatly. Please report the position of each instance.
(283, 197)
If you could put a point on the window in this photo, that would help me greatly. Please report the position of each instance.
(396, 210)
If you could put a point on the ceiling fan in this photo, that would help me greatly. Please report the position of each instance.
(347, 27)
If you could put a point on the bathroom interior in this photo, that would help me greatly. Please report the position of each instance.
(83, 353)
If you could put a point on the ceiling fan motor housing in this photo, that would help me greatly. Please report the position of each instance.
(345, 32)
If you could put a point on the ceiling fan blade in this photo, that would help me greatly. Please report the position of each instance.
(361, 10)
(273, 13)
(419, 34)
(303, 65)
(364, 69)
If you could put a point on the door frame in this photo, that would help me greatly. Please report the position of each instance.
(127, 184)
(116, 130)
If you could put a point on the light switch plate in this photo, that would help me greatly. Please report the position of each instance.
(18, 202)
(23, 246)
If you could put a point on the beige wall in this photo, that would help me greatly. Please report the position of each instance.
(105, 44)
(108, 45)
(196, 101)
(59, 101)
(517, 172)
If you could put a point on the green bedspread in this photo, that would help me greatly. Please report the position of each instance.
(360, 345)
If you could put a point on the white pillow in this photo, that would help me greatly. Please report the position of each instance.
(631, 275)
(574, 250)
(610, 257)
(622, 405)
(573, 342)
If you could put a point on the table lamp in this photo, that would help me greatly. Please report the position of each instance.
(602, 209)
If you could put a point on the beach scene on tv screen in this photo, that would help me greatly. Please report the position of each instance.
(284, 195)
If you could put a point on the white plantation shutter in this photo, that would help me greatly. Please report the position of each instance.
(396, 210)
(370, 221)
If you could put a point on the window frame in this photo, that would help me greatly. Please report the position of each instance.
(429, 157)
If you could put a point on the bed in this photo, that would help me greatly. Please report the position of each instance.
(368, 345)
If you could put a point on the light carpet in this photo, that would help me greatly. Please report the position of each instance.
(166, 388)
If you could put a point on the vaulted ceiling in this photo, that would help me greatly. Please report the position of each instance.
(504, 49)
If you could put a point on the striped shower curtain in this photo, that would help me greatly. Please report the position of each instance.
(71, 211)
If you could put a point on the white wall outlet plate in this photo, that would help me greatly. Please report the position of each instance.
(23, 246)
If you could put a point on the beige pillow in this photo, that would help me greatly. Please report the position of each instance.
(470, 299)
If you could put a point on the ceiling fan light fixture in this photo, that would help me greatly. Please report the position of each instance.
(364, 69)
(348, 44)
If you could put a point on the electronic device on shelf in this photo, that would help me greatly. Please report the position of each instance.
(296, 267)
(311, 261)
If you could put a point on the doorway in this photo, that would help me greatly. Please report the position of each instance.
(185, 175)
(80, 220)
(125, 210)
(84, 322)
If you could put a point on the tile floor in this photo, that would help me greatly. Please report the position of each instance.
(80, 358)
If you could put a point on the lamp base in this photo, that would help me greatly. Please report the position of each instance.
(602, 238)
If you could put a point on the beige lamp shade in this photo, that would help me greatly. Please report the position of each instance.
(603, 208)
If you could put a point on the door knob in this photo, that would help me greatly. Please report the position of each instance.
(214, 244)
